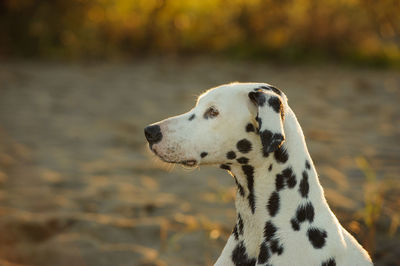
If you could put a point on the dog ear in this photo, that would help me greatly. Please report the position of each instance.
(270, 116)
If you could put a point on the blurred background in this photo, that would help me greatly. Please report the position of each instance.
(80, 79)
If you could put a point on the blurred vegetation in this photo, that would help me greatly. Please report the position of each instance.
(379, 204)
(364, 31)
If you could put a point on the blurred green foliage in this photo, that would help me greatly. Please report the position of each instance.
(366, 31)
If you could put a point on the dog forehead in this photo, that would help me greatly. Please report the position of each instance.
(236, 96)
(225, 93)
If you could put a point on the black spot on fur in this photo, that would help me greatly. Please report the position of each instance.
(279, 182)
(290, 177)
(281, 155)
(273, 203)
(257, 97)
(287, 177)
(275, 103)
(203, 154)
(269, 230)
(304, 186)
(308, 166)
(192, 117)
(295, 224)
(243, 160)
(270, 141)
(249, 172)
(276, 247)
(240, 188)
(329, 262)
(250, 128)
(266, 138)
(270, 167)
(271, 88)
(239, 256)
(264, 254)
(265, 154)
(244, 146)
(235, 232)
(224, 166)
(259, 121)
(231, 155)
(240, 224)
(305, 212)
(317, 237)
(276, 90)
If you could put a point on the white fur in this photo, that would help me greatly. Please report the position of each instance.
(185, 140)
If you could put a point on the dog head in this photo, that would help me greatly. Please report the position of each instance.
(228, 124)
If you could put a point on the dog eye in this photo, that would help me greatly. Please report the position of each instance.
(211, 112)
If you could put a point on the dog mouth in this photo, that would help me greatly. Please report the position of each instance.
(190, 162)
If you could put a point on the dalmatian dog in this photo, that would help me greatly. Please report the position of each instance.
(283, 218)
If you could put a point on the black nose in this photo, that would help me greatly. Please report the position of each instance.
(153, 134)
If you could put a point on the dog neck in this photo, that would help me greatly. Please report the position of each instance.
(277, 192)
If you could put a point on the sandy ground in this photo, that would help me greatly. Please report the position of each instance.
(79, 187)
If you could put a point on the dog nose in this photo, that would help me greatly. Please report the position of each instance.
(153, 134)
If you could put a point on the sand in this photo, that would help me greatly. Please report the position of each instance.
(78, 185)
